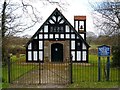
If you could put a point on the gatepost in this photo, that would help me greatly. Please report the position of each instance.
(71, 69)
(104, 51)
(9, 69)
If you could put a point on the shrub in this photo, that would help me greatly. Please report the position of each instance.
(116, 56)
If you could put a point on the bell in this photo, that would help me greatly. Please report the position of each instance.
(81, 27)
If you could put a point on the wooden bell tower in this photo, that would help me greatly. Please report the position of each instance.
(80, 25)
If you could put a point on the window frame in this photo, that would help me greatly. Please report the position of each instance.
(54, 26)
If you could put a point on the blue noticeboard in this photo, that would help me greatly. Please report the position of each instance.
(103, 50)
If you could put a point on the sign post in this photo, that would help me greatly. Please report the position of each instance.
(99, 74)
(108, 68)
(104, 51)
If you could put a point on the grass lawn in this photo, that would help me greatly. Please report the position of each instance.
(86, 76)
(95, 85)
(17, 70)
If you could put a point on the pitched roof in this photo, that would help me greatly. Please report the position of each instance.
(67, 22)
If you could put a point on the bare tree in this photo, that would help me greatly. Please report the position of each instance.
(107, 17)
(23, 14)
(20, 15)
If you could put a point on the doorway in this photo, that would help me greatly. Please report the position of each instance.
(57, 52)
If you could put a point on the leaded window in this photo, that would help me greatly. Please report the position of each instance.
(56, 28)
(78, 45)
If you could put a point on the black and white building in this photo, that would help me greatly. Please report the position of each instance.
(56, 40)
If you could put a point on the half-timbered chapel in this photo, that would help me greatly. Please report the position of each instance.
(57, 40)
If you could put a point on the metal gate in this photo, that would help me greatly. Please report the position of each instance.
(21, 72)
(55, 73)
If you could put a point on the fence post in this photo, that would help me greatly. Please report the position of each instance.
(9, 79)
(99, 69)
(108, 68)
(39, 72)
(71, 81)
